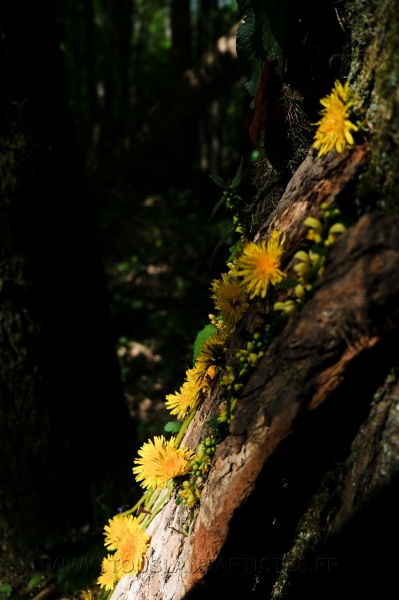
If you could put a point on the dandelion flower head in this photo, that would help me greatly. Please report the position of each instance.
(132, 548)
(334, 128)
(211, 355)
(180, 402)
(159, 461)
(230, 299)
(116, 529)
(259, 265)
(110, 573)
(86, 595)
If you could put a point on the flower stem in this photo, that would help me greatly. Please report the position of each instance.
(183, 428)
(157, 507)
(150, 503)
(142, 500)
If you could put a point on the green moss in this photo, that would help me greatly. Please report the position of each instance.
(312, 527)
(378, 85)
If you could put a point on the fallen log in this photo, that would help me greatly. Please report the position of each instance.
(301, 408)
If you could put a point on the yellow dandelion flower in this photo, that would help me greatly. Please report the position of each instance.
(132, 548)
(211, 352)
(160, 461)
(110, 573)
(230, 299)
(335, 128)
(180, 402)
(116, 529)
(86, 595)
(259, 265)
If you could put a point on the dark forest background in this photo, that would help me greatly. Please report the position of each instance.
(106, 150)
(152, 201)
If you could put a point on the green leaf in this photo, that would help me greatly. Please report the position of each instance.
(261, 35)
(220, 243)
(219, 181)
(178, 501)
(5, 591)
(173, 426)
(256, 75)
(34, 580)
(233, 250)
(217, 206)
(272, 24)
(213, 423)
(202, 337)
(245, 31)
(237, 177)
(288, 284)
(320, 249)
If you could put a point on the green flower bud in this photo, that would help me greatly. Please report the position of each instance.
(200, 451)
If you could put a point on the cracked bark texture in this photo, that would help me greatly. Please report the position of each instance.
(311, 387)
(301, 500)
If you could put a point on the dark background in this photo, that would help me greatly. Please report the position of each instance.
(105, 258)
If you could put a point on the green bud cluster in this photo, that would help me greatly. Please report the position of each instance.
(200, 464)
(189, 494)
(232, 198)
(247, 359)
(190, 491)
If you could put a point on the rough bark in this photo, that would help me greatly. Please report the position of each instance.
(291, 410)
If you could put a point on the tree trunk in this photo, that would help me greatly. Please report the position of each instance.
(205, 80)
(60, 397)
(183, 147)
(180, 19)
(301, 500)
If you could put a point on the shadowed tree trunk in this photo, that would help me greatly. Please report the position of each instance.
(61, 406)
(207, 79)
(183, 147)
(301, 500)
